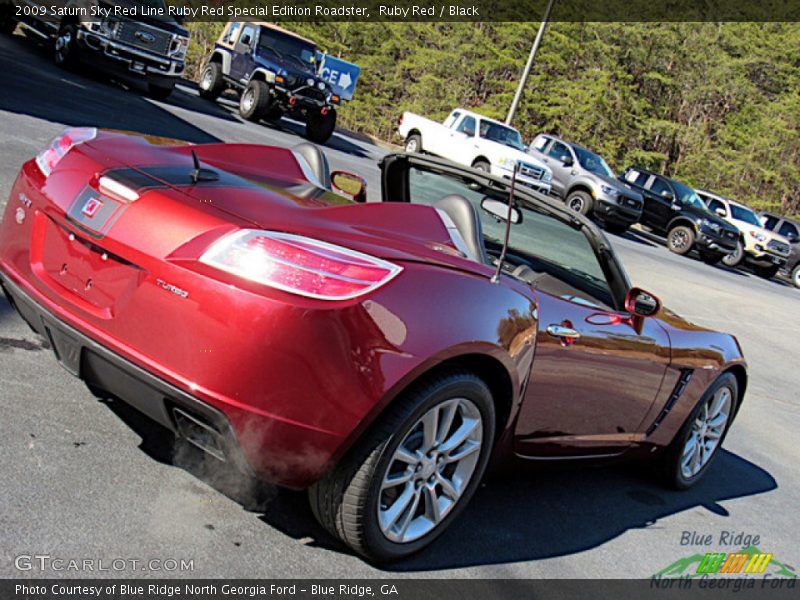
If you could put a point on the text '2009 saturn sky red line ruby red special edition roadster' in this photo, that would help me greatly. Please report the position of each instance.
(377, 354)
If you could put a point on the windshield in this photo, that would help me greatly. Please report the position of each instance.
(288, 47)
(593, 163)
(502, 135)
(687, 197)
(742, 213)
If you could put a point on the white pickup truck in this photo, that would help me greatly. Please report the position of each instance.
(479, 142)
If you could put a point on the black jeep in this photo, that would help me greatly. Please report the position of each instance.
(674, 210)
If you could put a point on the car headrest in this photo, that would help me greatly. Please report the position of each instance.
(465, 217)
(316, 162)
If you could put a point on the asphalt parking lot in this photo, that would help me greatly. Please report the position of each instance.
(84, 478)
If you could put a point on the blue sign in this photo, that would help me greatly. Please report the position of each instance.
(341, 75)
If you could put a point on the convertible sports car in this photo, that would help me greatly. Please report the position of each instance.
(375, 353)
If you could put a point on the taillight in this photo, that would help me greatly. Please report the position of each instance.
(299, 265)
(48, 158)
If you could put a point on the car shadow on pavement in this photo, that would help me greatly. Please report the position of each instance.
(535, 513)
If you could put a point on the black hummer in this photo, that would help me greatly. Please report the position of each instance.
(674, 210)
(276, 72)
(123, 37)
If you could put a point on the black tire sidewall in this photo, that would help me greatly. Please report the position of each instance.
(672, 457)
(586, 199)
(260, 91)
(466, 386)
(216, 80)
(689, 246)
(319, 128)
(418, 139)
(70, 56)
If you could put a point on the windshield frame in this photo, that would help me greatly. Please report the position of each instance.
(582, 154)
(490, 124)
(688, 197)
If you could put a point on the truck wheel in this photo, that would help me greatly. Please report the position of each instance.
(159, 92)
(482, 165)
(211, 82)
(734, 258)
(796, 275)
(580, 202)
(680, 239)
(409, 476)
(65, 49)
(414, 143)
(255, 101)
(711, 258)
(319, 128)
(766, 272)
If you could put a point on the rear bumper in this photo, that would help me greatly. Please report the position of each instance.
(285, 454)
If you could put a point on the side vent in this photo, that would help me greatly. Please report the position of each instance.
(683, 380)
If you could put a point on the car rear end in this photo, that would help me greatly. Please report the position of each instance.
(253, 344)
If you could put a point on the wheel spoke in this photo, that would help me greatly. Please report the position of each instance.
(409, 515)
(459, 436)
(432, 504)
(390, 516)
(467, 448)
(448, 488)
(406, 455)
(448, 415)
(397, 479)
(430, 424)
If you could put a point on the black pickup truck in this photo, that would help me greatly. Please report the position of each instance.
(126, 37)
(674, 210)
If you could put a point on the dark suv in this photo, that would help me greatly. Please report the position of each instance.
(674, 210)
(791, 231)
(276, 72)
(587, 184)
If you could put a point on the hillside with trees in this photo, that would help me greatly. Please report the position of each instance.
(716, 105)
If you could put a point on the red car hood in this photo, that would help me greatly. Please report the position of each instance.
(264, 187)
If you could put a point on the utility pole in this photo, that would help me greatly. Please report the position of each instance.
(522, 82)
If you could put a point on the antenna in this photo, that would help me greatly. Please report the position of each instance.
(199, 173)
(496, 277)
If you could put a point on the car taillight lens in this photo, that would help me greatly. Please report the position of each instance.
(48, 158)
(299, 265)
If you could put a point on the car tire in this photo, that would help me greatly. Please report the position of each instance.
(735, 258)
(697, 443)
(351, 500)
(680, 239)
(65, 49)
(254, 101)
(414, 143)
(767, 272)
(712, 258)
(616, 228)
(160, 92)
(482, 165)
(211, 82)
(796, 275)
(580, 202)
(320, 128)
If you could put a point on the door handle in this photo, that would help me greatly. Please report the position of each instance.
(562, 332)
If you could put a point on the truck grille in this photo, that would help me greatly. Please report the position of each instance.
(730, 235)
(532, 171)
(778, 247)
(144, 37)
(312, 93)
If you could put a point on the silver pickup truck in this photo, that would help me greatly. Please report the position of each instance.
(587, 184)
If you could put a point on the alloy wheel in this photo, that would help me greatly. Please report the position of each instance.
(248, 99)
(576, 204)
(735, 257)
(706, 432)
(679, 239)
(411, 145)
(208, 79)
(430, 470)
(63, 46)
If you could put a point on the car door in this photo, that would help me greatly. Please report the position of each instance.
(461, 147)
(659, 200)
(243, 61)
(586, 395)
(554, 156)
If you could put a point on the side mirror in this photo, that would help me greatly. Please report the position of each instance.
(721, 212)
(667, 195)
(566, 160)
(792, 237)
(349, 184)
(640, 303)
(500, 210)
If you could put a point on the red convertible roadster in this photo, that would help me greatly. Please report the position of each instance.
(375, 353)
